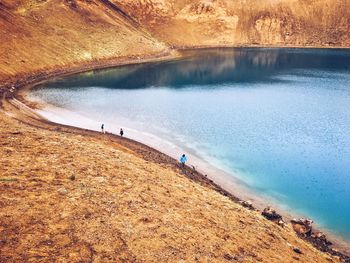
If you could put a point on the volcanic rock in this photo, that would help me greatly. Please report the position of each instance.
(271, 214)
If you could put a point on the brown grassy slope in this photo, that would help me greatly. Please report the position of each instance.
(38, 36)
(120, 207)
(244, 22)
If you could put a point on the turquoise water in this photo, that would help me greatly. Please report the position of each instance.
(280, 117)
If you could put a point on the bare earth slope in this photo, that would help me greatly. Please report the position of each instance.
(244, 22)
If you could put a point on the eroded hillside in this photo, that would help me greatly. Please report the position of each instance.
(244, 22)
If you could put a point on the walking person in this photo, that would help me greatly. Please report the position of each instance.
(121, 132)
(183, 160)
(103, 128)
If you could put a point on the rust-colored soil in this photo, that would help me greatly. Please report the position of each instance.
(244, 22)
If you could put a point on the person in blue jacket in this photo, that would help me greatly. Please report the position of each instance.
(183, 160)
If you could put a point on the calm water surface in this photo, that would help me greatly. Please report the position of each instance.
(280, 117)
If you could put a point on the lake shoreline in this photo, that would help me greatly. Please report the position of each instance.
(225, 180)
(23, 86)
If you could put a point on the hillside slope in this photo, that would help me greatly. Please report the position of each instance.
(39, 36)
(244, 22)
(68, 195)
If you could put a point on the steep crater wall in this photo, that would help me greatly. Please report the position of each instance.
(244, 22)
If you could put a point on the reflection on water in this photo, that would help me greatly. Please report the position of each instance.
(224, 66)
(280, 117)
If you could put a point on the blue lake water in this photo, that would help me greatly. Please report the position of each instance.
(280, 117)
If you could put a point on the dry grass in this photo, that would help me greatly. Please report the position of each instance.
(42, 36)
(84, 197)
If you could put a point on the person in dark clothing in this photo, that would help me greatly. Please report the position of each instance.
(103, 128)
(121, 132)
